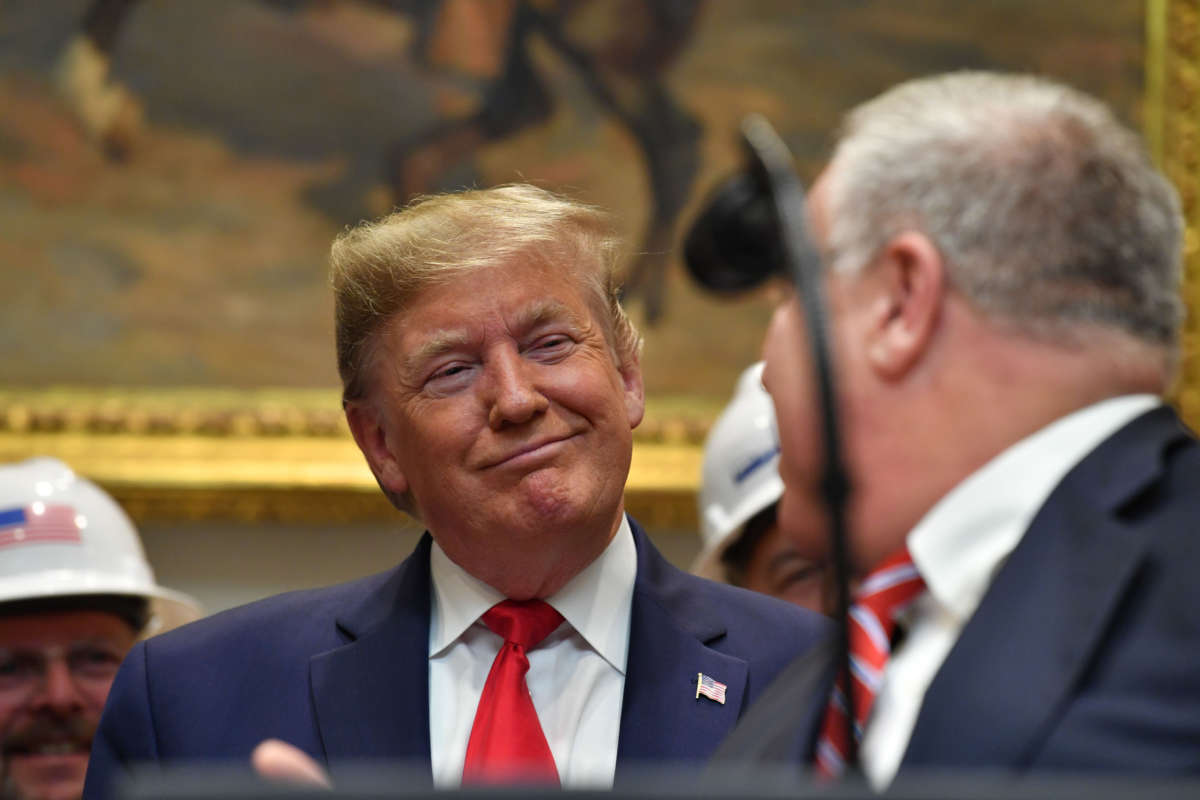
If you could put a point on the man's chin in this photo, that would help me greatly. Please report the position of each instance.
(48, 777)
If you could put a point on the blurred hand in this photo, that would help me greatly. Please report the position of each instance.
(276, 760)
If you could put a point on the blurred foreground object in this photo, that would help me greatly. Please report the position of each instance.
(377, 782)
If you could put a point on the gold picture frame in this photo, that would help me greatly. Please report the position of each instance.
(281, 455)
(1173, 133)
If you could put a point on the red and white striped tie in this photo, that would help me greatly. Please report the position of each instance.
(887, 591)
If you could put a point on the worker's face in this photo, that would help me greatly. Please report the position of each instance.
(55, 673)
(777, 567)
(501, 410)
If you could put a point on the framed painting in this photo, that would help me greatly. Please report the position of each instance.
(171, 176)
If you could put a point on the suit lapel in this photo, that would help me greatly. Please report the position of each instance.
(1009, 676)
(372, 695)
(385, 667)
(670, 629)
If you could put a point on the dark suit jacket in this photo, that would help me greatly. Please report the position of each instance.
(343, 672)
(1084, 654)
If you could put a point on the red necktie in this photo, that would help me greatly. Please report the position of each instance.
(507, 743)
(887, 591)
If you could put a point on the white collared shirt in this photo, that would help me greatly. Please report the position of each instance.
(576, 676)
(959, 546)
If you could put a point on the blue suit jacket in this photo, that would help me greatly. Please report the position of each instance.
(343, 673)
(1084, 654)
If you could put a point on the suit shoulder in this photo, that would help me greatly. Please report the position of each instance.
(745, 609)
(281, 621)
(748, 621)
(752, 625)
(1165, 504)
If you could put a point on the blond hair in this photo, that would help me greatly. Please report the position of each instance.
(377, 268)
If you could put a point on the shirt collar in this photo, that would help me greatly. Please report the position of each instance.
(962, 541)
(596, 602)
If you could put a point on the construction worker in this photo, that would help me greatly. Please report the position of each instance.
(75, 593)
(739, 490)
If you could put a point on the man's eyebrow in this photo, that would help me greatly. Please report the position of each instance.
(436, 344)
(787, 557)
(61, 647)
(543, 311)
(443, 341)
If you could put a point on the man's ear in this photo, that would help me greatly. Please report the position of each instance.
(370, 434)
(635, 390)
(909, 281)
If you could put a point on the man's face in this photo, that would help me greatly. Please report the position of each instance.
(903, 343)
(55, 673)
(790, 379)
(505, 417)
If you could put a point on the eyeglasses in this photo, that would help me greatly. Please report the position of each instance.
(90, 664)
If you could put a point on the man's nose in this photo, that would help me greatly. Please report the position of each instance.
(515, 396)
(57, 689)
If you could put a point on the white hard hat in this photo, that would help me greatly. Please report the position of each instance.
(740, 472)
(61, 535)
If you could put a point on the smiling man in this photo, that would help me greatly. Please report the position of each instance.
(56, 664)
(492, 381)
(75, 593)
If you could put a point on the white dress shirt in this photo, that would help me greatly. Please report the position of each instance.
(959, 546)
(576, 676)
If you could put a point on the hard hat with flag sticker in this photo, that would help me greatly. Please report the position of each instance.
(740, 471)
(61, 535)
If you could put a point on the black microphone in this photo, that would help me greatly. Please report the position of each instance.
(752, 228)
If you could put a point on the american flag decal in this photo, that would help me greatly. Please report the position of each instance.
(713, 690)
(39, 524)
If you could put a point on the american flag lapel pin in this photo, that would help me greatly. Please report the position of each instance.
(713, 690)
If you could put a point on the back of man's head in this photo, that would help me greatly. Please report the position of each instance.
(1046, 209)
(997, 244)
